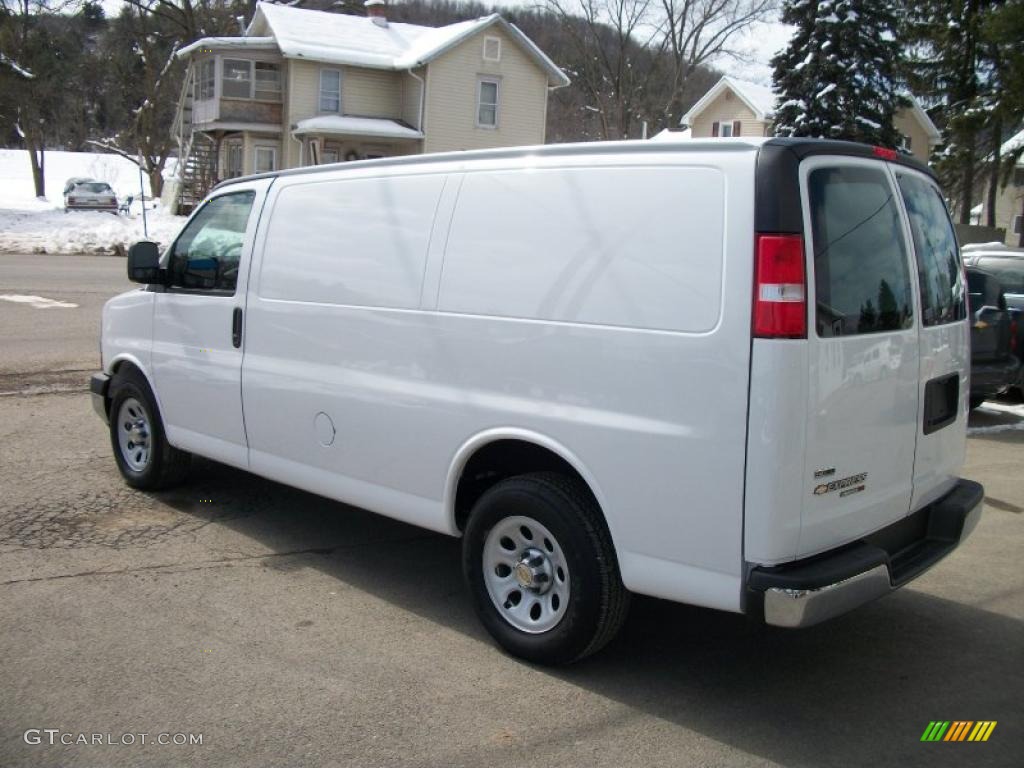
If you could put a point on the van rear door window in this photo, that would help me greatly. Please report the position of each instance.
(938, 260)
(861, 278)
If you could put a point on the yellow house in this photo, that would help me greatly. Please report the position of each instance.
(735, 107)
(1010, 199)
(305, 87)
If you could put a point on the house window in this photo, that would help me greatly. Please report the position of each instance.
(267, 81)
(907, 143)
(205, 80)
(330, 90)
(234, 157)
(329, 156)
(1017, 224)
(487, 104)
(725, 130)
(236, 79)
(265, 159)
(492, 48)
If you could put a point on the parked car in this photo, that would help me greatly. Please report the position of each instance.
(90, 196)
(1007, 266)
(610, 368)
(994, 366)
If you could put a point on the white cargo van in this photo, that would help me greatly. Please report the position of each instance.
(731, 373)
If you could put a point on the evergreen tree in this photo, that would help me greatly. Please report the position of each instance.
(837, 77)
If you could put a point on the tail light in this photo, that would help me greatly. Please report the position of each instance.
(780, 288)
(885, 153)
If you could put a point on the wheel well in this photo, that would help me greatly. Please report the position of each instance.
(499, 460)
(125, 366)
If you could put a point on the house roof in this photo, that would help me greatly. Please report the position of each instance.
(761, 101)
(1013, 145)
(338, 125)
(667, 135)
(357, 41)
(758, 98)
(228, 43)
(934, 136)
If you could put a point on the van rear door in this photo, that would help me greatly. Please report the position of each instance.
(863, 353)
(944, 338)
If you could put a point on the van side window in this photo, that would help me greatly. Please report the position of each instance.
(938, 262)
(207, 252)
(861, 278)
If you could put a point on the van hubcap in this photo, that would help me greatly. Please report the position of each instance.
(526, 574)
(133, 434)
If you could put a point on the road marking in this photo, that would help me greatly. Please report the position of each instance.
(37, 302)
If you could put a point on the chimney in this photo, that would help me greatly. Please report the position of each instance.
(378, 11)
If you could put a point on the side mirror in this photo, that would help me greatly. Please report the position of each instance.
(144, 263)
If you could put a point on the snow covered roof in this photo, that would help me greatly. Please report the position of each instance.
(934, 136)
(1012, 145)
(667, 135)
(357, 41)
(759, 98)
(222, 43)
(356, 126)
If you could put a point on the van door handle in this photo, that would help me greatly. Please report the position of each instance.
(236, 328)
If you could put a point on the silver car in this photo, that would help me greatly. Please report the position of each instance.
(89, 195)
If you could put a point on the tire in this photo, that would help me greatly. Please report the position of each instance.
(975, 402)
(580, 609)
(149, 464)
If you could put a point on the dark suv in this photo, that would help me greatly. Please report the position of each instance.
(995, 367)
(1007, 265)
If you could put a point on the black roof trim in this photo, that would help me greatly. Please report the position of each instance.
(807, 147)
(777, 188)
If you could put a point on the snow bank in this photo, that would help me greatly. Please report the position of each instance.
(995, 417)
(30, 225)
(53, 231)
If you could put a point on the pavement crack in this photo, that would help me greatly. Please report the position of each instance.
(207, 564)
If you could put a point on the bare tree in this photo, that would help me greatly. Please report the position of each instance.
(32, 76)
(149, 75)
(611, 42)
(147, 35)
(635, 60)
(697, 32)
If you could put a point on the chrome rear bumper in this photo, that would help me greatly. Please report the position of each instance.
(807, 592)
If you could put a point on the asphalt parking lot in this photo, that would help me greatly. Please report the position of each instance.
(290, 630)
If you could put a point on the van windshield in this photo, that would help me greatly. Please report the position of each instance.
(861, 277)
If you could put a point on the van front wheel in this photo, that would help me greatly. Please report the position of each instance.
(541, 569)
(144, 457)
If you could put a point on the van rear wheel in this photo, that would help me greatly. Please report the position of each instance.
(541, 569)
(144, 457)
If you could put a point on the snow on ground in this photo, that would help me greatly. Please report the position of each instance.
(997, 416)
(54, 231)
(29, 225)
